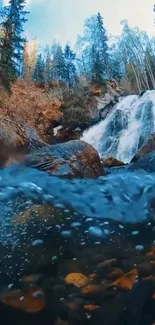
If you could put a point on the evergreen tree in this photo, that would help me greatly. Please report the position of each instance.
(116, 63)
(39, 71)
(58, 64)
(48, 67)
(12, 42)
(101, 46)
(95, 49)
(97, 69)
(70, 69)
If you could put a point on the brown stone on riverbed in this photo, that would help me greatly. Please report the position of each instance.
(71, 159)
(111, 162)
(30, 301)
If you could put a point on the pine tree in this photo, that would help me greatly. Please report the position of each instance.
(12, 42)
(95, 49)
(39, 71)
(70, 69)
(97, 68)
(48, 67)
(58, 64)
(101, 45)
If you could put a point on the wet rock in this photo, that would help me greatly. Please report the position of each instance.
(77, 316)
(11, 315)
(146, 163)
(32, 279)
(111, 311)
(111, 162)
(61, 322)
(72, 159)
(91, 290)
(55, 297)
(115, 274)
(127, 265)
(145, 269)
(106, 267)
(27, 301)
(146, 148)
(139, 303)
(142, 93)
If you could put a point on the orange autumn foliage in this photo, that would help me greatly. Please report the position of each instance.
(31, 105)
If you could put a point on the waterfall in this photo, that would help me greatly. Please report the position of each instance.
(126, 127)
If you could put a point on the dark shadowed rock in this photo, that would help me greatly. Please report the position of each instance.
(146, 148)
(146, 163)
(68, 134)
(112, 162)
(11, 315)
(139, 304)
(71, 159)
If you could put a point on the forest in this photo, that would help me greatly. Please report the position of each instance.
(95, 58)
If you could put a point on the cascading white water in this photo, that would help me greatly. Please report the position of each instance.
(127, 126)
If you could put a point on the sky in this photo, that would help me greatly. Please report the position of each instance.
(64, 19)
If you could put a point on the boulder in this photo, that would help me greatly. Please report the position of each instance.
(111, 162)
(146, 148)
(75, 158)
(146, 163)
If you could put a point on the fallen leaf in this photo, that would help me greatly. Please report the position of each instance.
(126, 281)
(91, 307)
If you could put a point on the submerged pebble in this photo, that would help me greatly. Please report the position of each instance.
(139, 247)
(95, 231)
(66, 233)
(10, 285)
(54, 258)
(135, 232)
(60, 206)
(75, 224)
(38, 294)
(106, 231)
(37, 242)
